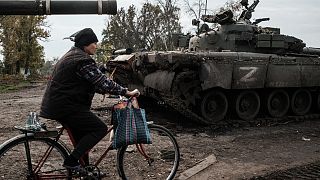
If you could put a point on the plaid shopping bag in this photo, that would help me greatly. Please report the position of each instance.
(130, 125)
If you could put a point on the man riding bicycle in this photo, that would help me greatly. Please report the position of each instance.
(69, 93)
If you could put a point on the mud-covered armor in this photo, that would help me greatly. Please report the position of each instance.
(238, 68)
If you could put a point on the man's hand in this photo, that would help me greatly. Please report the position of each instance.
(134, 93)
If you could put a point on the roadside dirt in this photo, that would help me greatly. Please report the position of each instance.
(241, 153)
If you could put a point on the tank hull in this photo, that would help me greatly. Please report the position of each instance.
(207, 86)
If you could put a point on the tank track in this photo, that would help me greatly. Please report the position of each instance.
(174, 103)
(188, 82)
(173, 100)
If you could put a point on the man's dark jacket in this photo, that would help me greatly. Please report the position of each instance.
(66, 91)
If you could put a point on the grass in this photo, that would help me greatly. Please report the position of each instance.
(11, 87)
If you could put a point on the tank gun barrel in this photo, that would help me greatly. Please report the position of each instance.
(47, 7)
(257, 21)
(310, 50)
(123, 51)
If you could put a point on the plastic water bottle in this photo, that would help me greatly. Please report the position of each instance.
(29, 121)
(36, 121)
(32, 123)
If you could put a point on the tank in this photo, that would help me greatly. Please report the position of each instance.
(47, 7)
(238, 68)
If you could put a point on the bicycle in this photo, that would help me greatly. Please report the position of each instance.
(38, 155)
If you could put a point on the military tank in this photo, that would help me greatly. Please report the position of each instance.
(237, 68)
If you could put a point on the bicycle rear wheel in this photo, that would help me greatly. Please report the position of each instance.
(14, 164)
(163, 152)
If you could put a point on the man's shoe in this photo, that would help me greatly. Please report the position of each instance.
(71, 163)
(77, 171)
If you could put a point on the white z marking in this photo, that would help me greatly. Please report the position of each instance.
(249, 76)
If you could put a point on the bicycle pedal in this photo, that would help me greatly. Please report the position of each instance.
(93, 172)
(77, 174)
(78, 171)
(102, 175)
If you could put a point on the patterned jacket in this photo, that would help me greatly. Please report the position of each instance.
(75, 80)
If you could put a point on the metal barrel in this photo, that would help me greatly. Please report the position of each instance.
(123, 51)
(310, 50)
(47, 7)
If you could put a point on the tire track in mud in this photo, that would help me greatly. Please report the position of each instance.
(309, 171)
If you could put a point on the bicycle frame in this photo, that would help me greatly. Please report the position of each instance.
(33, 171)
(106, 151)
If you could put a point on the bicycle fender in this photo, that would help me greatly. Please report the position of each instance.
(15, 138)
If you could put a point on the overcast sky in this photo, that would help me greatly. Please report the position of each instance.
(299, 18)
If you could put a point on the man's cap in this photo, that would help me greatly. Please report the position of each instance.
(84, 37)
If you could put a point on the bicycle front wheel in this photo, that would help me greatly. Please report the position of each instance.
(162, 157)
(46, 155)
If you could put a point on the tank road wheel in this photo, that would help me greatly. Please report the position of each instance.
(248, 105)
(214, 106)
(318, 101)
(278, 103)
(301, 102)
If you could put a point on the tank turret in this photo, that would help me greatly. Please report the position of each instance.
(47, 7)
(242, 35)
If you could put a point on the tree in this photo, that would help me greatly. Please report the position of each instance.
(1, 67)
(195, 9)
(198, 8)
(19, 37)
(48, 66)
(103, 50)
(122, 30)
(151, 29)
(171, 19)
